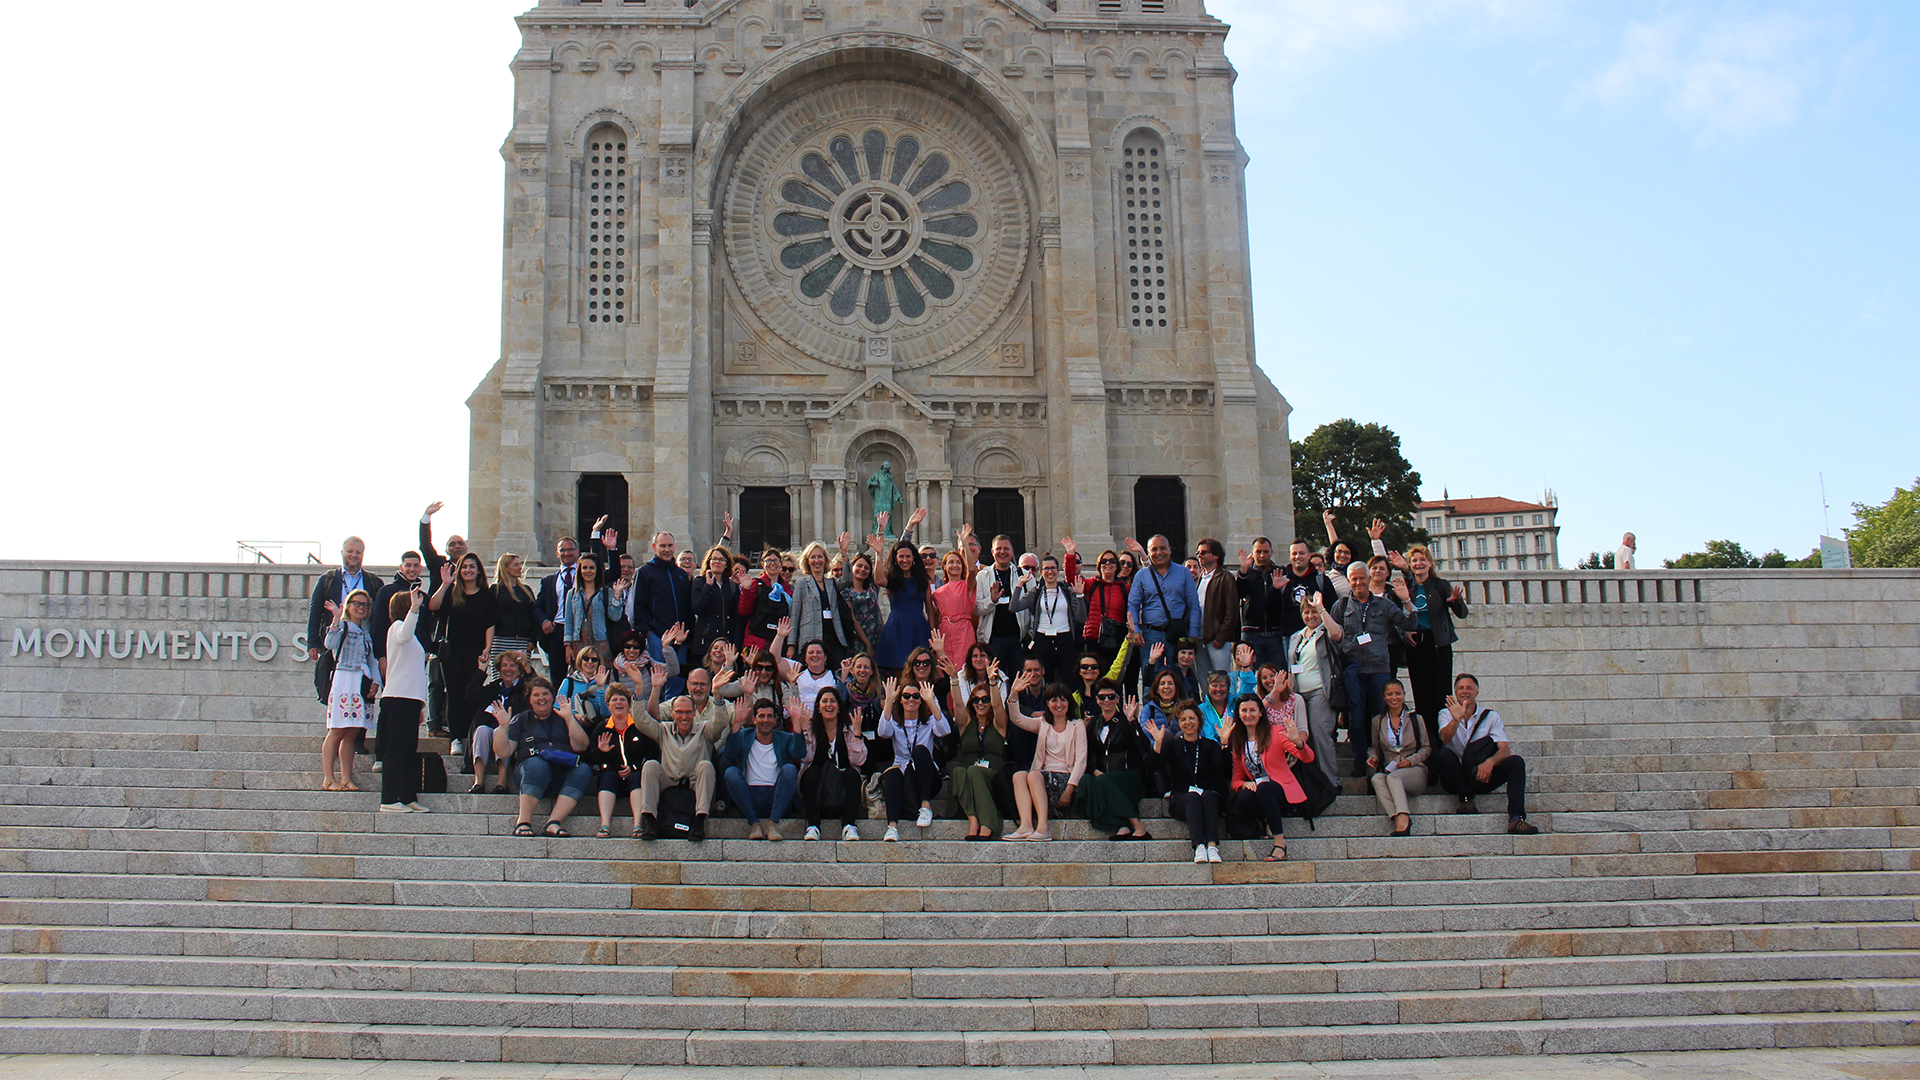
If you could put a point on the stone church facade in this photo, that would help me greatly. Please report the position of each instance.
(758, 249)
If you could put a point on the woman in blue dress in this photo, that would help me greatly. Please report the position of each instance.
(910, 624)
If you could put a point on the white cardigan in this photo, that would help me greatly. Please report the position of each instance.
(406, 660)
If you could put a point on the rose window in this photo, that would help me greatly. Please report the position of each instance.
(876, 231)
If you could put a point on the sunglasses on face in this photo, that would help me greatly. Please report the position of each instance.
(923, 663)
(981, 701)
(763, 667)
(1106, 697)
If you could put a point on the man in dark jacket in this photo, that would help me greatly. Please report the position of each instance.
(761, 768)
(551, 602)
(662, 595)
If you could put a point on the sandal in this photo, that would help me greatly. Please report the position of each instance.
(637, 836)
(349, 786)
(554, 830)
(329, 785)
(1278, 854)
(603, 833)
(525, 828)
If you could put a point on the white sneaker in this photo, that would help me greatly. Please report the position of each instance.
(1200, 853)
(418, 808)
(893, 833)
(458, 748)
(813, 833)
(395, 808)
(1213, 852)
(849, 833)
(926, 817)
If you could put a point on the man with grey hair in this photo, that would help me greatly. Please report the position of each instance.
(1623, 555)
(686, 757)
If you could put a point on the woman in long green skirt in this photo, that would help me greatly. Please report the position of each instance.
(980, 750)
(1118, 757)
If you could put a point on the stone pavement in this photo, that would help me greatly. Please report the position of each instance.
(1899, 1063)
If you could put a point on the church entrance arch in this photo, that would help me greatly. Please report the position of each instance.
(1000, 510)
(766, 520)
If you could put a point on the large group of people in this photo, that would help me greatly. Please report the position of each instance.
(897, 680)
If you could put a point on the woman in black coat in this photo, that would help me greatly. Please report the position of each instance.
(1117, 767)
(1198, 769)
(715, 596)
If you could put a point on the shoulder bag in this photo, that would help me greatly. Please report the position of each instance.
(1479, 749)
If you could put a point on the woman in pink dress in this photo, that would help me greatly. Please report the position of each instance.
(954, 602)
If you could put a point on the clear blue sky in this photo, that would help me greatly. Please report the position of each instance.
(1658, 257)
(1661, 258)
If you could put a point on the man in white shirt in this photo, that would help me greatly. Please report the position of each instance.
(998, 592)
(1464, 724)
(1623, 555)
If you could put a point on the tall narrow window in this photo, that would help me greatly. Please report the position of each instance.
(766, 520)
(1001, 510)
(1160, 509)
(607, 205)
(599, 494)
(1144, 237)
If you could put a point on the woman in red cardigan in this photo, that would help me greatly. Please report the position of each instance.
(1264, 742)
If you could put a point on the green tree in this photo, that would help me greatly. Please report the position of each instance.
(1884, 535)
(1720, 555)
(1356, 470)
(1596, 561)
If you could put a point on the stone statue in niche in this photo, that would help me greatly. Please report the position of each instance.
(885, 495)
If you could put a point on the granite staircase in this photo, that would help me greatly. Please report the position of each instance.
(190, 893)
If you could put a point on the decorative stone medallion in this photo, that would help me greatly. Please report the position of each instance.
(876, 208)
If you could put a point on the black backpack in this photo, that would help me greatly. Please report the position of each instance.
(676, 812)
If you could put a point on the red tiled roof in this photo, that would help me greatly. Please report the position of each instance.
(1481, 506)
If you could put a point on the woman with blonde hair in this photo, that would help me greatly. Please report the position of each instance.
(354, 672)
(953, 602)
(819, 612)
(514, 625)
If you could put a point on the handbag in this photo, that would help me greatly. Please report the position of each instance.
(1319, 790)
(832, 792)
(566, 759)
(1480, 749)
(876, 799)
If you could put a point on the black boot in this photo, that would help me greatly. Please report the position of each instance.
(699, 830)
(648, 831)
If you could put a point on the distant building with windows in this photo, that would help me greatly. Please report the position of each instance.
(1492, 534)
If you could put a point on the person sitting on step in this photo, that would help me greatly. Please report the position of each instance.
(761, 768)
(912, 720)
(547, 742)
(1397, 764)
(830, 777)
(619, 750)
(1263, 756)
(1466, 769)
(509, 691)
(686, 756)
(1059, 761)
(1197, 768)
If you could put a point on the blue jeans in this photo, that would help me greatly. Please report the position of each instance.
(1269, 647)
(1156, 637)
(539, 778)
(1366, 699)
(770, 802)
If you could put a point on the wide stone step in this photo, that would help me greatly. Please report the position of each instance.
(1764, 900)
(968, 983)
(867, 1048)
(649, 1013)
(1300, 947)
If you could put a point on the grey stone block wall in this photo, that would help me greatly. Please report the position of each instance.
(1561, 654)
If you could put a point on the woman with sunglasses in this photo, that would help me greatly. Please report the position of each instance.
(1058, 762)
(913, 721)
(830, 773)
(632, 667)
(1106, 596)
(585, 687)
(979, 754)
(910, 622)
(354, 671)
(765, 600)
(1118, 760)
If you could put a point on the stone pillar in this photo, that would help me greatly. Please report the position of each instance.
(1221, 203)
(1030, 509)
(819, 522)
(923, 487)
(672, 422)
(1072, 301)
(841, 489)
(524, 317)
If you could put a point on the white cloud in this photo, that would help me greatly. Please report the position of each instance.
(1734, 74)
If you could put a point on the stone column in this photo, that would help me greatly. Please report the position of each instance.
(1071, 273)
(529, 180)
(1220, 201)
(923, 487)
(819, 522)
(672, 422)
(1030, 508)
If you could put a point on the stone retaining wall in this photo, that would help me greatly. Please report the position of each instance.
(220, 647)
